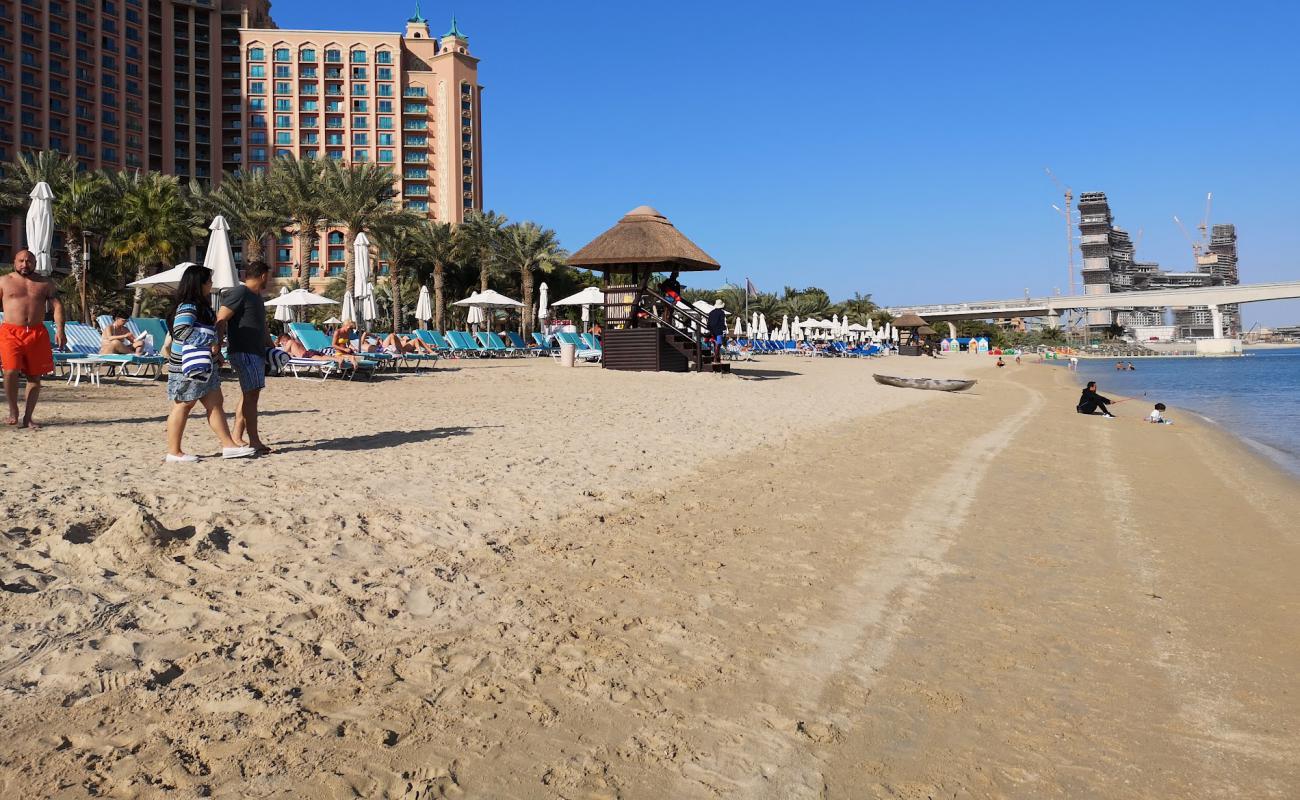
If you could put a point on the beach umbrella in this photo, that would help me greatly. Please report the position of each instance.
(333, 321)
(283, 313)
(543, 311)
(739, 322)
(40, 227)
(785, 327)
(219, 258)
(586, 317)
(361, 286)
(762, 326)
(475, 316)
(300, 297)
(168, 279)
(424, 306)
(591, 296)
(369, 311)
(797, 329)
(349, 312)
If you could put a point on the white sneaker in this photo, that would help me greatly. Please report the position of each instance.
(237, 452)
(183, 458)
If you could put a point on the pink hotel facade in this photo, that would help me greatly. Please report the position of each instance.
(407, 101)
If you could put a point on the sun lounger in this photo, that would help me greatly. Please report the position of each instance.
(583, 351)
(314, 338)
(493, 344)
(520, 345)
(544, 346)
(435, 340)
(592, 343)
(153, 326)
(466, 344)
(83, 342)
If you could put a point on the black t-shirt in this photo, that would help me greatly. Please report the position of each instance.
(246, 331)
(670, 284)
(717, 322)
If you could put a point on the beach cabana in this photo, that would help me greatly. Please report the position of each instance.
(911, 340)
(638, 334)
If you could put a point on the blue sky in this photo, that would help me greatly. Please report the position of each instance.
(891, 148)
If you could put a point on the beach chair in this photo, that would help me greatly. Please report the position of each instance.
(414, 360)
(467, 345)
(83, 342)
(544, 346)
(520, 345)
(493, 344)
(592, 342)
(436, 340)
(314, 338)
(583, 351)
(153, 326)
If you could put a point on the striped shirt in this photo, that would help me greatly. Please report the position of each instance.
(192, 326)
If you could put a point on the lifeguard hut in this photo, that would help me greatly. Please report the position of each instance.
(640, 332)
(912, 333)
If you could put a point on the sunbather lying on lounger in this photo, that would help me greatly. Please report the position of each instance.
(296, 349)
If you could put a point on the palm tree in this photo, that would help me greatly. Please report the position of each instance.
(403, 239)
(356, 197)
(28, 169)
(479, 237)
(528, 247)
(860, 307)
(296, 185)
(249, 205)
(442, 249)
(155, 224)
(84, 206)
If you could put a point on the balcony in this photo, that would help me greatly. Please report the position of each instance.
(415, 158)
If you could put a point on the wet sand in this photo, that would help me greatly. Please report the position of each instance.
(509, 580)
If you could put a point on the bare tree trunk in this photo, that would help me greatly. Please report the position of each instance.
(484, 267)
(438, 301)
(78, 270)
(397, 297)
(139, 292)
(526, 283)
(305, 232)
(349, 263)
(252, 249)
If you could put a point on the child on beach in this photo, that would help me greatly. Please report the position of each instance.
(1158, 417)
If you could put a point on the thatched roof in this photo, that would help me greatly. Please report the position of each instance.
(926, 330)
(908, 320)
(644, 236)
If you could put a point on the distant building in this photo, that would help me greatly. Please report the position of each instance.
(409, 101)
(1110, 266)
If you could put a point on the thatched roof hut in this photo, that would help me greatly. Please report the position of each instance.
(908, 320)
(643, 237)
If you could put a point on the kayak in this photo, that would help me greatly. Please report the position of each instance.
(933, 384)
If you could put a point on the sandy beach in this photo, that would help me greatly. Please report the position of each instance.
(510, 580)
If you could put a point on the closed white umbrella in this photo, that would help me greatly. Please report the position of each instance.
(424, 306)
(586, 318)
(283, 313)
(369, 311)
(762, 326)
(219, 258)
(361, 265)
(349, 312)
(476, 316)
(40, 227)
(785, 327)
(543, 310)
(797, 329)
(739, 322)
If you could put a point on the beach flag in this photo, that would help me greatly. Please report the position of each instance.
(750, 289)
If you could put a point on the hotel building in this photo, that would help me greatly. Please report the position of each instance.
(409, 101)
(119, 84)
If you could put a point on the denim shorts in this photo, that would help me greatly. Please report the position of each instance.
(251, 369)
(181, 389)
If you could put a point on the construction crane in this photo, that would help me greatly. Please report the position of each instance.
(1204, 227)
(1196, 246)
(1068, 213)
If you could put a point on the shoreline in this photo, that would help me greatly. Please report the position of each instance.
(524, 605)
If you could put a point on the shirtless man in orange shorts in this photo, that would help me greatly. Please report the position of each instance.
(24, 342)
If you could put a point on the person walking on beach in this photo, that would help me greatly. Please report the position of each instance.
(189, 380)
(717, 329)
(24, 341)
(1090, 402)
(243, 317)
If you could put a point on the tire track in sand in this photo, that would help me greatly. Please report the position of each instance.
(762, 759)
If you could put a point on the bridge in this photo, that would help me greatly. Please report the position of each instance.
(1051, 307)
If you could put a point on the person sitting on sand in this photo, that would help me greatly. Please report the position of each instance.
(1001, 363)
(1090, 402)
(117, 340)
(1157, 415)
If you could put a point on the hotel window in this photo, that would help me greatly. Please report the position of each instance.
(414, 108)
(385, 123)
(257, 71)
(360, 156)
(283, 87)
(307, 55)
(310, 153)
(384, 73)
(416, 173)
(336, 237)
(283, 137)
(333, 105)
(283, 271)
(358, 56)
(257, 137)
(333, 56)
(336, 254)
(383, 57)
(310, 105)
(333, 138)
(360, 89)
(310, 121)
(384, 139)
(283, 72)
(311, 138)
(258, 154)
(417, 205)
(385, 106)
(416, 141)
(281, 54)
(257, 87)
(361, 138)
(315, 255)
(310, 88)
(385, 156)
(333, 122)
(361, 106)
(334, 72)
(257, 121)
(307, 72)
(256, 54)
(358, 73)
(283, 104)
(283, 121)
(283, 254)
(384, 90)
(361, 122)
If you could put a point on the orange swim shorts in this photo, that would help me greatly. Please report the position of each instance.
(26, 350)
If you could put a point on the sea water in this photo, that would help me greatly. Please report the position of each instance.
(1256, 397)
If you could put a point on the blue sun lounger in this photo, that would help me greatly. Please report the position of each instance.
(314, 338)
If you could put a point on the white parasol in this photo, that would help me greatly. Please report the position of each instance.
(219, 258)
(283, 313)
(40, 227)
(424, 306)
(167, 279)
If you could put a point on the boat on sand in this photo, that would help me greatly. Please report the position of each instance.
(933, 384)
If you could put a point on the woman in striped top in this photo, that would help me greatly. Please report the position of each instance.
(192, 326)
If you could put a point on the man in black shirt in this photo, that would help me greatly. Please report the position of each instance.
(1090, 401)
(243, 315)
(671, 288)
(717, 329)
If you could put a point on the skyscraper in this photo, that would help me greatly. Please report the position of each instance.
(407, 100)
(116, 83)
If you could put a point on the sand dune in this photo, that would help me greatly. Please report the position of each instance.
(509, 580)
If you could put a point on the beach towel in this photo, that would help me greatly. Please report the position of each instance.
(196, 359)
(278, 358)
